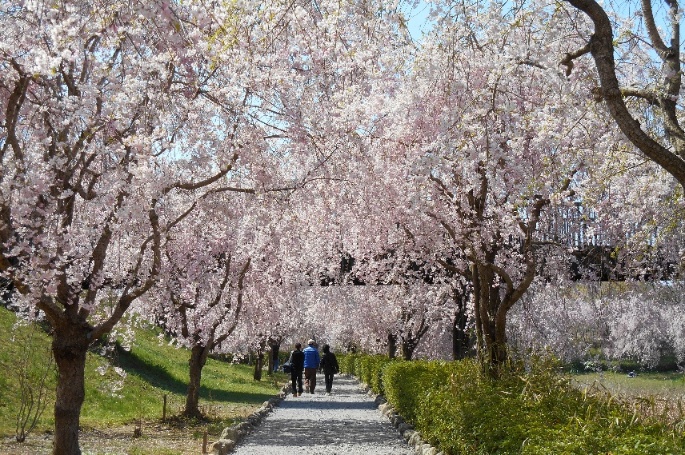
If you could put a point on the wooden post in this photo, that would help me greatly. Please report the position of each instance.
(138, 430)
(204, 442)
(164, 409)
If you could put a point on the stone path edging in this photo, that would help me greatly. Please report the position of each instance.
(231, 436)
(407, 430)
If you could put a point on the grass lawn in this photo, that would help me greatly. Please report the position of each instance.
(668, 384)
(657, 395)
(153, 370)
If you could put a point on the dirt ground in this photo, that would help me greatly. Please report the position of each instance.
(156, 438)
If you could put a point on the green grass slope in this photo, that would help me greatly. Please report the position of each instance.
(128, 389)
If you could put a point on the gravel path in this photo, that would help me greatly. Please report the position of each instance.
(345, 422)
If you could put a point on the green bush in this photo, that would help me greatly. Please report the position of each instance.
(368, 368)
(531, 409)
(371, 371)
(407, 383)
(347, 363)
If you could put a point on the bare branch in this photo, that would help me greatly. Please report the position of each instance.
(652, 29)
(646, 95)
(568, 59)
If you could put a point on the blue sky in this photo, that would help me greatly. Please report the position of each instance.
(417, 20)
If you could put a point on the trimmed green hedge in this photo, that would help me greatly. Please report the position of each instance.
(534, 410)
(368, 368)
(408, 384)
(347, 363)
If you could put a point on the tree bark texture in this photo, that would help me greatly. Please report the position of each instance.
(198, 359)
(408, 347)
(259, 363)
(69, 346)
(392, 345)
(461, 338)
(480, 340)
(492, 322)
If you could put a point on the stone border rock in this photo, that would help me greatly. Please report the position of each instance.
(405, 429)
(232, 435)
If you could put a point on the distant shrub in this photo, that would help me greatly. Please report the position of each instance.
(348, 363)
(371, 371)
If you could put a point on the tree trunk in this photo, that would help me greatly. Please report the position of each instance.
(69, 346)
(461, 338)
(198, 359)
(273, 357)
(408, 347)
(480, 342)
(259, 363)
(492, 349)
(392, 345)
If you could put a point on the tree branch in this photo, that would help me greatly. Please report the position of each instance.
(602, 49)
(568, 59)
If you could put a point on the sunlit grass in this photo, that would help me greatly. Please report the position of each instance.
(667, 384)
(654, 396)
(152, 369)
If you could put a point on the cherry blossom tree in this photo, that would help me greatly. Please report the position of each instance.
(412, 287)
(348, 317)
(636, 50)
(198, 300)
(488, 151)
(637, 321)
(98, 110)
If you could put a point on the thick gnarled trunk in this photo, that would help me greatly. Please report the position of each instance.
(198, 359)
(69, 346)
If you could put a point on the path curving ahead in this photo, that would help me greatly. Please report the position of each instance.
(345, 422)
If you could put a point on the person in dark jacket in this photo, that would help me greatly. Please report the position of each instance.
(296, 362)
(329, 366)
(312, 359)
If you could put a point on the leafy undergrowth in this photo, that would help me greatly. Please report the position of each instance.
(125, 394)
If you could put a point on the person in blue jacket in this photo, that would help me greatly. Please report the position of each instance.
(311, 364)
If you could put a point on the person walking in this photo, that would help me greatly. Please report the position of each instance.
(311, 365)
(296, 362)
(329, 366)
